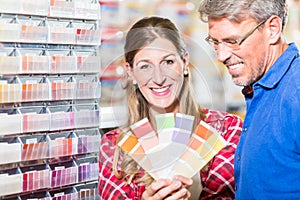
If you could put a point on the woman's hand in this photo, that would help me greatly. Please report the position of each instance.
(177, 188)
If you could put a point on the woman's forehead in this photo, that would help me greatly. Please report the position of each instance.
(159, 45)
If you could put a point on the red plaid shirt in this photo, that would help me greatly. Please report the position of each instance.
(217, 177)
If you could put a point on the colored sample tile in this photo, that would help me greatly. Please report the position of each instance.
(149, 141)
(130, 144)
(82, 144)
(183, 128)
(165, 127)
(142, 128)
(192, 158)
(164, 121)
(184, 169)
(184, 122)
(145, 133)
(181, 136)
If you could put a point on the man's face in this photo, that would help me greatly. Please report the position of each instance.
(247, 62)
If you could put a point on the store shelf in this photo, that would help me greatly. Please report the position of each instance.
(113, 116)
(49, 93)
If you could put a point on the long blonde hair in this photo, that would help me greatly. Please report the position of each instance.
(142, 33)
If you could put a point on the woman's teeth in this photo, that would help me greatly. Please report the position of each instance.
(163, 89)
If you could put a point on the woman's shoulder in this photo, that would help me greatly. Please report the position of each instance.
(218, 116)
(108, 146)
(110, 136)
(223, 121)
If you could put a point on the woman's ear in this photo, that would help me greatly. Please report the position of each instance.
(186, 61)
(274, 27)
(129, 72)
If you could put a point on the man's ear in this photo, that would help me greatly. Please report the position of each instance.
(274, 28)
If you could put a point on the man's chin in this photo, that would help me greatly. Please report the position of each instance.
(239, 82)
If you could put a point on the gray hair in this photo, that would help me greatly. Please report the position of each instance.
(238, 10)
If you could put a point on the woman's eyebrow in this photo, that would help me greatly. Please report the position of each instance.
(149, 61)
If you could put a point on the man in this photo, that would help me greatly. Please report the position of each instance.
(248, 38)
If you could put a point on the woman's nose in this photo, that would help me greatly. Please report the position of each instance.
(158, 75)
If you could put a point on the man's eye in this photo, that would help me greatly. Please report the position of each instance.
(230, 41)
(212, 41)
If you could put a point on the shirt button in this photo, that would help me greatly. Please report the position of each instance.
(245, 129)
(238, 158)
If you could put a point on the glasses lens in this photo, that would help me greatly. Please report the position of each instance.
(211, 41)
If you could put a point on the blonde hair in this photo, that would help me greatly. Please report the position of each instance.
(142, 33)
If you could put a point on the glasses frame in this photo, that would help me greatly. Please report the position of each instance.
(213, 42)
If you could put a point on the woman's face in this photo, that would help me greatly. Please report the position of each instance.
(158, 71)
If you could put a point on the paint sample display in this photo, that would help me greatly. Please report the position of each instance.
(174, 148)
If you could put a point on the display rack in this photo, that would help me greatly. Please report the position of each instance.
(49, 93)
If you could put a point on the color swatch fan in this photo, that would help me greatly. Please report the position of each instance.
(172, 149)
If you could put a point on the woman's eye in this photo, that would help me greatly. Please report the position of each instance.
(168, 62)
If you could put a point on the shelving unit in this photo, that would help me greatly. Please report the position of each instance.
(49, 93)
(51, 114)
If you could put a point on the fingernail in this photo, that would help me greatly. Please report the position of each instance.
(183, 191)
(177, 184)
(175, 177)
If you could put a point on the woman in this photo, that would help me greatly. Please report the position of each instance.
(157, 65)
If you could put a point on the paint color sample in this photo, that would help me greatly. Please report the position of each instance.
(192, 158)
(181, 136)
(149, 141)
(130, 144)
(145, 133)
(164, 121)
(183, 128)
(142, 128)
(203, 131)
(184, 122)
(184, 169)
(165, 127)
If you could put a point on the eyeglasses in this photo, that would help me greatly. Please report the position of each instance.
(232, 44)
